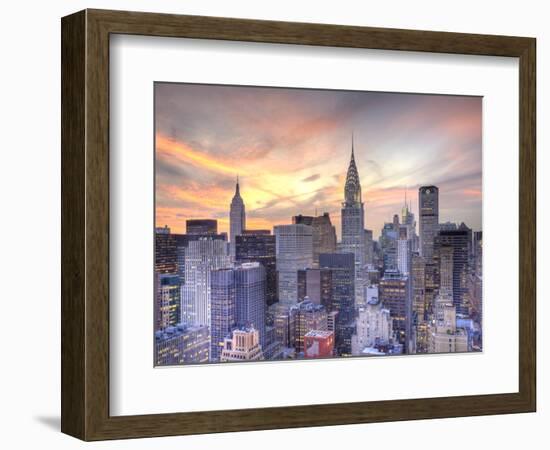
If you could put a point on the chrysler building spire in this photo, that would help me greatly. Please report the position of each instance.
(352, 190)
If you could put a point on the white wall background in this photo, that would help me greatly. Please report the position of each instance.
(30, 221)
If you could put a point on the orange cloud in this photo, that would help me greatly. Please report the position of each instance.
(171, 150)
(472, 193)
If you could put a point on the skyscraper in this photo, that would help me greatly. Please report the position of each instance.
(201, 226)
(404, 251)
(323, 234)
(368, 247)
(237, 218)
(342, 266)
(165, 251)
(418, 273)
(223, 309)
(428, 209)
(201, 258)
(460, 242)
(408, 221)
(353, 223)
(259, 246)
(294, 250)
(394, 292)
(388, 246)
(316, 285)
(250, 297)
(445, 254)
(168, 301)
(237, 299)
(182, 243)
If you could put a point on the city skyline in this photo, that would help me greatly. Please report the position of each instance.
(303, 275)
(207, 135)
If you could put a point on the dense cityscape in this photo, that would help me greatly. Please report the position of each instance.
(295, 292)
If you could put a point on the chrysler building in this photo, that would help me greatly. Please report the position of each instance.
(353, 224)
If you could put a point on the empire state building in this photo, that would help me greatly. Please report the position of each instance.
(353, 224)
(237, 219)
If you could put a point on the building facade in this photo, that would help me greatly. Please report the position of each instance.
(259, 246)
(201, 226)
(294, 251)
(342, 266)
(374, 326)
(165, 251)
(316, 285)
(168, 302)
(223, 309)
(428, 208)
(242, 345)
(459, 241)
(201, 258)
(307, 316)
(181, 345)
(319, 344)
(395, 295)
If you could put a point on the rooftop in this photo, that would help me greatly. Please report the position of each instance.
(318, 333)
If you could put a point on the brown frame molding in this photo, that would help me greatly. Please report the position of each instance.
(85, 224)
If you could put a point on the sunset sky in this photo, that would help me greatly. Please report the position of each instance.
(291, 149)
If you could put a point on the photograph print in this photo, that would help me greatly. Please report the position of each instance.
(296, 224)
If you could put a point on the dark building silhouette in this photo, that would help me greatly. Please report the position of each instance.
(342, 266)
(165, 251)
(201, 226)
(257, 246)
(460, 242)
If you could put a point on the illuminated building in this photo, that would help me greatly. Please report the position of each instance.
(374, 325)
(323, 234)
(201, 226)
(237, 299)
(168, 303)
(201, 258)
(165, 251)
(404, 252)
(319, 344)
(223, 309)
(259, 246)
(395, 295)
(342, 266)
(294, 251)
(460, 242)
(243, 345)
(428, 206)
(444, 336)
(181, 345)
(307, 317)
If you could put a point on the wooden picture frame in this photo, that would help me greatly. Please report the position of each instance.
(85, 224)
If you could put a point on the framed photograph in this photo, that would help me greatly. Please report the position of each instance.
(272, 225)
